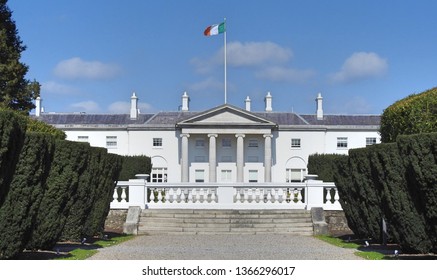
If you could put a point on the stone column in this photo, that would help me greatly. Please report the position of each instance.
(268, 158)
(212, 158)
(184, 160)
(240, 157)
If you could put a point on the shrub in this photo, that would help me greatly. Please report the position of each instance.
(34, 125)
(414, 114)
(323, 166)
(26, 191)
(133, 165)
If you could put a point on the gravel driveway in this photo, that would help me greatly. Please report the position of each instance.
(225, 247)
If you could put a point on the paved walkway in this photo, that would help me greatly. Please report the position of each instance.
(225, 247)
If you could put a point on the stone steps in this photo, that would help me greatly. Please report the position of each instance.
(166, 221)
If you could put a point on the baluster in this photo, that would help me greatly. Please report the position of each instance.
(190, 195)
(257, 195)
(280, 195)
(250, 195)
(328, 195)
(170, 198)
(183, 196)
(160, 196)
(276, 197)
(336, 196)
(123, 195)
(202, 196)
(115, 195)
(196, 196)
(152, 195)
(269, 195)
(245, 196)
(213, 195)
(178, 194)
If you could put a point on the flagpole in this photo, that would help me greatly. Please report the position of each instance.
(225, 63)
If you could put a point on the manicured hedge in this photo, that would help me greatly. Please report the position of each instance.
(133, 165)
(18, 212)
(397, 182)
(323, 166)
(414, 114)
(12, 131)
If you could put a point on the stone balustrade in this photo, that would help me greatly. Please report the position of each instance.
(306, 195)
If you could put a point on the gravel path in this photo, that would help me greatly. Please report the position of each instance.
(225, 247)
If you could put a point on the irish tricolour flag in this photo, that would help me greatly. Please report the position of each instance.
(215, 29)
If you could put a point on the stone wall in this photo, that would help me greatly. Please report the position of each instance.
(337, 223)
(115, 220)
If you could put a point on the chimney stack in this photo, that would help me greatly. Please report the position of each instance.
(268, 101)
(319, 101)
(133, 107)
(38, 108)
(185, 102)
(247, 102)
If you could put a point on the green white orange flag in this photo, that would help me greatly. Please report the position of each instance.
(215, 29)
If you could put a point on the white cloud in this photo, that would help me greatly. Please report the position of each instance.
(57, 88)
(77, 68)
(209, 83)
(122, 107)
(361, 65)
(86, 106)
(247, 54)
(284, 74)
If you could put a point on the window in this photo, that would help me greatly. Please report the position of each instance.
(370, 141)
(253, 176)
(200, 143)
(199, 159)
(226, 175)
(159, 175)
(226, 159)
(111, 142)
(294, 175)
(199, 175)
(226, 142)
(341, 142)
(82, 138)
(157, 142)
(252, 159)
(295, 142)
(253, 143)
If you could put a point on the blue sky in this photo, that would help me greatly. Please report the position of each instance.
(361, 55)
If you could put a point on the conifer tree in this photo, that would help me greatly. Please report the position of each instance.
(16, 92)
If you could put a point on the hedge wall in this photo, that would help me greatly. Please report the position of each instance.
(323, 166)
(133, 165)
(21, 204)
(397, 182)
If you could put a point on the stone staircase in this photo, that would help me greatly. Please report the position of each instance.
(167, 221)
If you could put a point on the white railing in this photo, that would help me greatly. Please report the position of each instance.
(306, 195)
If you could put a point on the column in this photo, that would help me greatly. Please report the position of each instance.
(212, 158)
(240, 157)
(268, 158)
(184, 161)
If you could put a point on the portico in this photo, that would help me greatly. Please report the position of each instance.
(239, 146)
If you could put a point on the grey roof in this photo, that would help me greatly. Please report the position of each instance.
(172, 118)
(103, 119)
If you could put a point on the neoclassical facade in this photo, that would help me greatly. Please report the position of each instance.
(225, 144)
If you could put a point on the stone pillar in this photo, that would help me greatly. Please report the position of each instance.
(212, 158)
(268, 158)
(184, 160)
(240, 157)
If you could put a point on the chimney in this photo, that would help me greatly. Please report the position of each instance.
(133, 107)
(247, 102)
(38, 108)
(268, 101)
(185, 102)
(319, 101)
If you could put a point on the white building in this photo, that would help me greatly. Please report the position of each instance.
(222, 144)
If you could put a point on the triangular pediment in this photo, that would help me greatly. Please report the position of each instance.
(226, 115)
